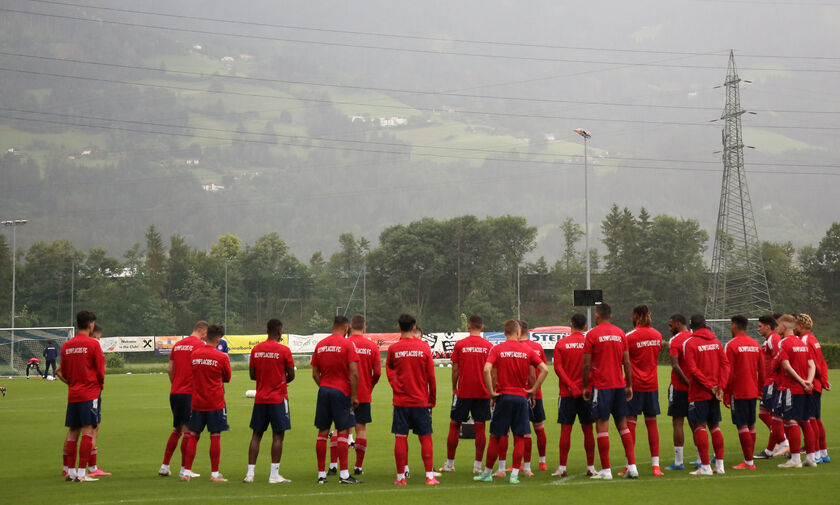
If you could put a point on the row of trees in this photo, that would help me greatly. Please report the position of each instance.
(438, 270)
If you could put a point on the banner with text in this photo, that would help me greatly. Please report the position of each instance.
(163, 345)
(127, 344)
(242, 344)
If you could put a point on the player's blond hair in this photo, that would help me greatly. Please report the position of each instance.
(805, 321)
(787, 320)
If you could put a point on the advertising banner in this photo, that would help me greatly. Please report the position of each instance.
(548, 336)
(127, 344)
(163, 345)
(242, 344)
(442, 344)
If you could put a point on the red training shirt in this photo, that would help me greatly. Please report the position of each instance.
(706, 365)
(539, 350)
(568, 364)
(412, 373)
(181, 358)
(513, 361)
(470, 354)
(210, 369)
(83, 367)
(607, 344)
(747, 368)
(370, 366)
(270, 360)
(798, 354)
(771, 347)
(675, 348)
(333, 356)
(821, 377)
(644, 343)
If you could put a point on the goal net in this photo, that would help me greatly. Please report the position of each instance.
(18, 345)
(723, 331)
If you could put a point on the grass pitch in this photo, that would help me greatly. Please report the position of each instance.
(136, 422)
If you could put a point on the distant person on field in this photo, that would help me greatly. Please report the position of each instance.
(50, 354)
(33, 363)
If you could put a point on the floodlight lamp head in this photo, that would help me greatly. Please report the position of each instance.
(583, 133)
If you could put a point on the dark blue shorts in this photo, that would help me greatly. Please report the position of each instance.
(609, 401)
(83, 414)
(416, 419)
(814, 405)
(768, 397)
(646, 403)
(793, 407)
(362, 413)
(536, 414)
(462, 408)
(677, 402)
(511, 413)
(705, 411)
(275, 414)
(214, 420)
(568, 408)
(181, 409)
(333, 407)
(743, 411)
(776, 401)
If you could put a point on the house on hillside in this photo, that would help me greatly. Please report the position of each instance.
(393, 121)
(212, 187)
(227, 59)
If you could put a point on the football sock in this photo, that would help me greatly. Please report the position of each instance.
(334, 451)
(823, 445)
(653, 438)
(588, 443)
(542, 441)
(492, 452)
(401, 453)
(343, 450)
(171, 445)
(518, 450)
(70, 449)
(321, 452)
(794, 438)
(274, 470)
(565, 443)
(777, 433)
(250, 470)
(809, 436)
(766, 417)
(84, 451)
(701, 440)
(752, 436)
(452, 439)
(503, 448)
(717, 442)
(528, 447)
(426, 452)
(678, 456)
(215, 451)
(604, 448)
(480, 441)
(92, 460)
(631, 425)
(628, 441)
(361, 449)
(746, 442)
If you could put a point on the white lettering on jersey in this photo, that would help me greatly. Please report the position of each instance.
(329, 348)
(610, 338)
(363, 350)
(76, 350)
(482, 350)
(799, 349)
(267, 355)
(574, 345)
(708, 347)
(182, 347)
(409, 354)
(513, 354)
(647, 343)
(205, 362)
(748, 348)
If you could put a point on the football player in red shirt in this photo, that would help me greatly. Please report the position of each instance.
(93, 470)
(180, 394)
(797, 382)
(537, 411)
(513, 393)
(643, 344)
(370, 370)
(272, 366)
(210, 370)
(803, 330)
(770, 389)
(335, 368)
(708, 372)
(743, 388)
(568, 363)
(605, 354)
(470, 397)
(83, 370)
(411, 372)
(678, 389)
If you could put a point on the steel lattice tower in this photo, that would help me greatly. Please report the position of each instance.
(738, 284)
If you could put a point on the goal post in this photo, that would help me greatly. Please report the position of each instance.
(18, 345)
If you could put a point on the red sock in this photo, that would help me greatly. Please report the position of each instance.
(701, 441)
(70, 449)
(215, 451)
(452, 439)
(492, 451)
(588, 443)
(746, 442)
(401, 452)
(526, 448)
(480, 441)
(821, 442)
(777, 433)
(84, 450)
(343, 449)
(653, 435)
(185, 445)
(501, 453)
(752, 436)
(628, 441)
(333, 449)
(809, 436)
(794, 437)
(542, 441)
(717, 442)
(519, 450)
(766, 417)
(92, 460)
(604, 448)
(427, 452)
(321, 452)
(171, 445)
(631, 425)
(565, 443)
(191, 441)
(361, 448)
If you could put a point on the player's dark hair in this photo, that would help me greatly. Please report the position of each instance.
(768, 320)
(51, 342)
(84, 318)
(274, 327)
(604, 310)
(697, 322)
(215, 331)
(357, 322)
(578, 321)
(678, 318)
(511, 325)
(523, 325)
(340, 321)
(406, 322)
(777, 315)
(642, 313)
(476, 322)
(96, 329)
(740, 321)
